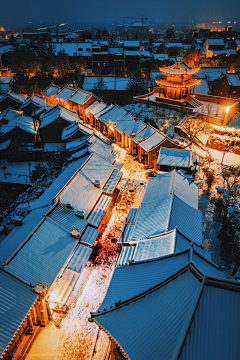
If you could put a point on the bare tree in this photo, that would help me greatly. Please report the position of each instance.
(193, 127)
(174, 122)
(209, 109)
(210, 177)
(209, 159)
(231, 178)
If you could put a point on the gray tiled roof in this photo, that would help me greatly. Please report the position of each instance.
(128, 281)
(112, 182)
(66, 218)
(16, 299)
(99, 210)
(89, 236)
(187, 220)
(43, 256)
(153, 326)
(80, 258)
(153, 218)
(97, 168)
(191, 315)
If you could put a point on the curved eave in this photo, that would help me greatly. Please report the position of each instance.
(175, 85)
(112, 338)
(167, 71)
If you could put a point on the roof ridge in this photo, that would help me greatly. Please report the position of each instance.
(191, 318)
(170, 210)
(153, 288)
(179, 253)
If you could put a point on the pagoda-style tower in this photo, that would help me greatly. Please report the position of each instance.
(178, 82)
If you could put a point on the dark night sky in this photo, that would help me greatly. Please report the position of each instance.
(24, 11)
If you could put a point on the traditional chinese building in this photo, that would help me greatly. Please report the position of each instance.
(178, 82)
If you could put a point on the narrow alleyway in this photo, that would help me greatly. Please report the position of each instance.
(76, 338)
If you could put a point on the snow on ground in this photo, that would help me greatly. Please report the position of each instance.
(17, 173)
(76, 338)
(210, 241)
(235, 122)
(162, 117)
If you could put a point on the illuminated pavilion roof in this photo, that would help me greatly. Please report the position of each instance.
(182, 84)
(180, 68)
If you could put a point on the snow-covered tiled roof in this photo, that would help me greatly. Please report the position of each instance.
(164, 184)
(80, 97)
(153, 218)
(90, 235)
(96, 168)
(4, 87)
(135, 127)
(131, 221)
(23, 122)
(51, 90)
(74, 128)
(77, 144)
(34, 99)
(152, 141)
(166, 205)
(103, 111)
(16, 97)
(102, 151)
(50, 246)
(187, 220)
(225, 52)
(189, 318)
(80, 153)
(145, 133)
(156, 246)
(112, 182)
(95, 108)
(102, 139)
(99, 210)
(5, 49)
(212, 73)
(233, 79)
(9, 114)
(115, 50)
(160, 56)
(16, 237)
(114, 113)
(175, 157)
(131, 43)
(202, 88)
(128, 281)
(218, 41)
(58, 111)
(80, 193)
(132, 52)
(74, 49)
(11, 287)
(52, 191)
(67, 218)
(124, 122)
(41, 110)
(65, 93)
(52, 147)
(80, 256)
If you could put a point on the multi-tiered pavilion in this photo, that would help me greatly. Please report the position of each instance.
(178, 83)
